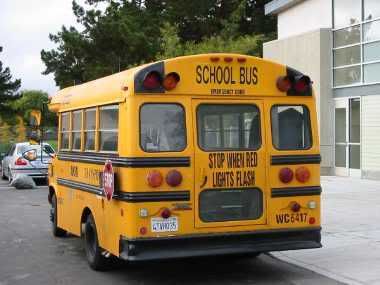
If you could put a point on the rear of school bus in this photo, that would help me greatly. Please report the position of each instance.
(226, 160)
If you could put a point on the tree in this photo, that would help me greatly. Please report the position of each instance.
(129, 33)
(121, 36)
(8, 89)
(34, 100)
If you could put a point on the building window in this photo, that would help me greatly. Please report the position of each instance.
(89, 130)
(371, 9)
(356, 42)
(346, 12)
(108, 127)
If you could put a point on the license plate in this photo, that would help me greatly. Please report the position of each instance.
(160, 225)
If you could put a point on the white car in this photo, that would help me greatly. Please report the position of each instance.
(13, 162)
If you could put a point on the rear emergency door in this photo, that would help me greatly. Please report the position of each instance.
(230, 163)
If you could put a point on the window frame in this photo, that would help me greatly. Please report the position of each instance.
(64, 132)
(85, 130)
(72, 131)
(311, 127)
(229, 149)
(99, 130)
(184, 122)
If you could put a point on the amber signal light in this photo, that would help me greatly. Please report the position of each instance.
(171, 80)
(284, 84)
(154, 178)
(302, 174)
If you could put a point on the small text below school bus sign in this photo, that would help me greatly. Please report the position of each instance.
(232, 169)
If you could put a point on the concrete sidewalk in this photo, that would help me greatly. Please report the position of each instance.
(351, 233)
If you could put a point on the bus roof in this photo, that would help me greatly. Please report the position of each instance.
(215, 74)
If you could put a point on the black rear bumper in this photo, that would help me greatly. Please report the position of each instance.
(232, 243)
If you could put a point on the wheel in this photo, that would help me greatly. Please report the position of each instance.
(95, 259)
(57, 232)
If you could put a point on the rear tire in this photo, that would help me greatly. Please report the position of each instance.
(57, 232)
(94, 255)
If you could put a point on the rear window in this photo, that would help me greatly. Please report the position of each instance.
(162, 127)
(291, 127)
(230, 205)
(228, 127)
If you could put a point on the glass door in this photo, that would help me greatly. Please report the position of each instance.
(347, 137)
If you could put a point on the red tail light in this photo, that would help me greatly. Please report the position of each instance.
(171, 80)
(21, 161)
(166, 213)
(311, 220)
(152, 80)
(302, 84)
(284, 83)
(174, 178)
(302, 174)
(154, 178)
(286, 175)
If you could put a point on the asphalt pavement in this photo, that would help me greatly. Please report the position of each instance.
(29, 254)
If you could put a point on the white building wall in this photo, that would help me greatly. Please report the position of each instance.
(370, 128)
(306, 16)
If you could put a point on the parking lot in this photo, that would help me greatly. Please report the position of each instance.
(29, 254)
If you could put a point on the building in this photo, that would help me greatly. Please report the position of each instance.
(337, 43)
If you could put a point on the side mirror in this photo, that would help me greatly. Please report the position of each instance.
(30, 155)
(49, 150)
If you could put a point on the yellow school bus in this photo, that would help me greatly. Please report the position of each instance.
(213, 154)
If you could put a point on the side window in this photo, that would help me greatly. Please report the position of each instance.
(228, 127)
(76, 130)
(291, 128)
(65, 130)
(162, 127)
(89, 129)
(108, 128)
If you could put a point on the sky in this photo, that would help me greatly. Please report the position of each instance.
(24, 31)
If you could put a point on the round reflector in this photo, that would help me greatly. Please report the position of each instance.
(171, 80)
(154, 178)
(285, 175)
(143, 230)
(302, 174)
(174, 178)
(284, 83)
(302, 84)
(166, 213)
(152, 80)
(311, 220)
